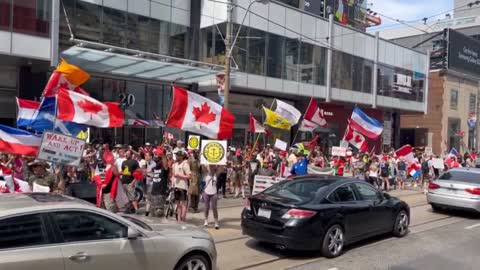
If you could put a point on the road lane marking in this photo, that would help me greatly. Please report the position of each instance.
(335, 268)
(473, 226)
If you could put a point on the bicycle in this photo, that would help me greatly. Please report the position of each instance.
(170, 205)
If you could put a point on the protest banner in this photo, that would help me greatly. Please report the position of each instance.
(339, 151)
(62, 149)
(39, 188)
(213, 152)
(438, 163)
(260, 183)
(193, 142)
(279, 144)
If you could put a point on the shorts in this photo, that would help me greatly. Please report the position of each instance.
(109, 204)
(238, 177)
(129, 191)
(401, 175)
(181, 194)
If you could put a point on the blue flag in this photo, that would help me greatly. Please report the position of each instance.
(44, 119)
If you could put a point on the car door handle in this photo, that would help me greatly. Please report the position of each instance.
(79, 257)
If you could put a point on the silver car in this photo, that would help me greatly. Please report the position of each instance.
(54, 232)
(456, 188)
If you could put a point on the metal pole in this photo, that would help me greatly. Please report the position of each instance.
(228, 55)
(328, 84)
(427, 84)
(375, 70)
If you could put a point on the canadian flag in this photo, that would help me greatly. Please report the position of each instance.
(194, 113)
(356, 139)
(78, 108)
(308, 126)
(255, 126)
(315, 114)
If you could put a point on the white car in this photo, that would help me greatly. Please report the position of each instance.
(48, 231)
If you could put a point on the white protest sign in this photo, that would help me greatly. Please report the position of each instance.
(428, 150)
(193, 142)
(343, 144)
(279, 144)
(263, 182)
(58, 148)
(339, 151)
(213, 152)
(438, 163)
(39, 188)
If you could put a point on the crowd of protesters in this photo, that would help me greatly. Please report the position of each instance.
(170, 173)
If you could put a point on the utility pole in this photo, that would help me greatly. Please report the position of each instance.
(228, 55)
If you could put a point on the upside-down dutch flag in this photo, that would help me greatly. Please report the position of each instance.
(365, 124)
(18, 142)
(26, 110)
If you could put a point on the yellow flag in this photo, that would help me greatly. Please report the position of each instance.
(83, 135)
(72, 73)
(276, 120)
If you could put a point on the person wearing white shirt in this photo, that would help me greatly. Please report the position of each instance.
(210, 195)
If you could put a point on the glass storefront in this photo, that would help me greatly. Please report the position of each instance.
(400, 83)
(30, 17)
(119, 28)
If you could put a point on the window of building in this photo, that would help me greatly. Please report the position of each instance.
(453, 99)
(320, 64)
(256, 52)
(240, 51)
(290, 65)
(32, 17)
(143, 33)
(178, 40)
(293, 3)
(22, 231)
(83, 226)
(114, 27)
(275, 55)
(306, 66)
(5, 14)
(472, 103)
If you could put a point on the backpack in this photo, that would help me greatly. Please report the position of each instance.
(425, 167)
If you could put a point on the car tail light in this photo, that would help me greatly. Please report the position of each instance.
(433, 186)
(247, 205)
(298, 214)
(474, 191)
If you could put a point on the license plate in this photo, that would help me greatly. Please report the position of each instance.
(264, 213)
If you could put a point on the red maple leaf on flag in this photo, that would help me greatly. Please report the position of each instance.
(203, 114)
(358, 139)
(89, 107)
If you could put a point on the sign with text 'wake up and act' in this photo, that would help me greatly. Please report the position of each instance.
(61, 149)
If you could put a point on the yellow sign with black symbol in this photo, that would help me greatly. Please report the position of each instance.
(193, 142)
(213, 152)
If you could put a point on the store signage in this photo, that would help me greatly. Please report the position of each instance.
(62, 149)
(127, 99)
(463, 54)
(402, 83)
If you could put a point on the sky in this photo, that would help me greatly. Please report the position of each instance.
(409, 10)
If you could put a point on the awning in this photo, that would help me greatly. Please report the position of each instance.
(120, 61)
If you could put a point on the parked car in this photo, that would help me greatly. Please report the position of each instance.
(323, 213)
(456, 188)
(55, 232)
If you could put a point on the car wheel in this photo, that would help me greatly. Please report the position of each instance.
(194, 262)
(400, 229)
(436, 208)
(333, 242)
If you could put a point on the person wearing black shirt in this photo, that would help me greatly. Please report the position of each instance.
(129, 166)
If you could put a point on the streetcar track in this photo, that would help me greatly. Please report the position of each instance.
(266, 262)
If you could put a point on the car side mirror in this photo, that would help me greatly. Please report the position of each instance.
(133, 234)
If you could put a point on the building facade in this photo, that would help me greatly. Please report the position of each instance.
(140, 47)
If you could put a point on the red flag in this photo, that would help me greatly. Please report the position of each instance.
(255, 126)
(313, 143)
(315, 114)
(66, 76)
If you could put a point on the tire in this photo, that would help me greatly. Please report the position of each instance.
(333, 242)
(198, 261)
(436, 208)
(400, 228)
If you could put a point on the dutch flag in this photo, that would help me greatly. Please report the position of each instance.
(365, 124)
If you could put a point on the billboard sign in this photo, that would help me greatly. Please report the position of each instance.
(463, 54)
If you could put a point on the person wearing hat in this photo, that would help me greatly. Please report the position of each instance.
(180, 179)
(41, 176)
(301, 166)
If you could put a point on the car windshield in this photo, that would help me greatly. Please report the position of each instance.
(138, 222)
(300, 191)
(461, 176)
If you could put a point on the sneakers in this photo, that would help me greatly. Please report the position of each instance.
(205, 224)
(217, 227)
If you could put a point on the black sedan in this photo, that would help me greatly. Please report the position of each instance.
(323, 213)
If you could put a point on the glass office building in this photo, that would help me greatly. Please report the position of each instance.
(140, 47)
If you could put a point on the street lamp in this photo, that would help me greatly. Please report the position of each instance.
(229, 47)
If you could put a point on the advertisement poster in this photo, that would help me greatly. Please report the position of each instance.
(61, 149)
(193, 142)
(263, 182)
(213, 152)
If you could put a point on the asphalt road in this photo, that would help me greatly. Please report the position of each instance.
(447, 240)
